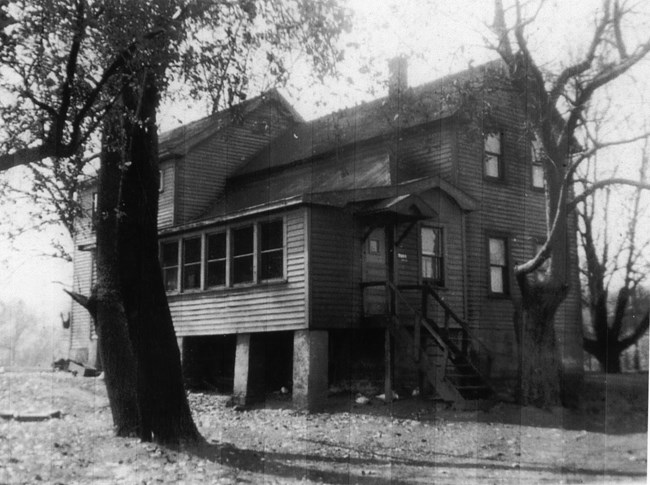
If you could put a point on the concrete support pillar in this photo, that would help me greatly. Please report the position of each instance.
(310, 363)
(248, 384)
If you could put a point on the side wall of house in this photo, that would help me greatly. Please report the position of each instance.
(334, 269)
(246, 308)
(512, 209)
(428, 150)
(203, 172)
(166, 194)
(83, 340)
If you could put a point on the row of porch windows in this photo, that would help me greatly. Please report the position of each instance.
(248, 254)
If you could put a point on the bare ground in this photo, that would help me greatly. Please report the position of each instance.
(411, 441)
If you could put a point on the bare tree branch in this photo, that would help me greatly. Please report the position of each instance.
(605, 183)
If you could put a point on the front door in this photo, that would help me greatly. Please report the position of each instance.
(374, 268)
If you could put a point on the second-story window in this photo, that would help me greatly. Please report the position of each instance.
(243, 255)
(493, 156)
(169, 257)
(498, 248)
(192, 263)
(431, 255)
(537, 169)
(271, 250)
(216, 259)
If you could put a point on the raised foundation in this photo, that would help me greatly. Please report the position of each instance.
(310, 379)
(248, 386)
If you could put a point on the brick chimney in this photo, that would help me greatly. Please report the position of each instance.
(397, 76)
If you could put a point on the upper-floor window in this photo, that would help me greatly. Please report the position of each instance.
(431, 255)
(192, 263)
(243, 254)
(493, 156)
(498, 249)
(169, 259)
(271, 250)
(537, 169)
(215, 272)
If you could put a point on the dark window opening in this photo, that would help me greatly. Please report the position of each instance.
(271, 250)
(192, 263)
(243, 246)
(169, 257)
(216, 260)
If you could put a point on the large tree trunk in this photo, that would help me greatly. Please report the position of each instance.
(115, 347)
(540, 370)
(165, 412)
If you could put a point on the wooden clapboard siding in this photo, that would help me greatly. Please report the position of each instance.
(166, 196)
(510, 208)
(84, 240)
(254, 308)
(428, 150)
(202, 173)
(334, 269)
(80, 322)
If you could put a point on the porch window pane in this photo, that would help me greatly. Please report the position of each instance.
(216, 273)
(271, 250)
(169, 260)
(192, 263)
(216, 259)
(243, 257)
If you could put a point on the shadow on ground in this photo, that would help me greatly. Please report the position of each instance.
(355, 470)
(611, 404)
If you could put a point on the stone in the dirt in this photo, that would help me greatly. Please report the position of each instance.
(383, 396)
(362, 400)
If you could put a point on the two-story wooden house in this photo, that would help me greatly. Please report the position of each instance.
(373, 243)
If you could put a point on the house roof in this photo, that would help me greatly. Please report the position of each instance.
(178, 141)
(397, 198)
(418, 105)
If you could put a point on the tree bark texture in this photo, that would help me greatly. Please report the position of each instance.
(164, 411)
(115, 349)
(540, 369)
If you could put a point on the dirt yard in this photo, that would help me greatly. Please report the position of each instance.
(411, 441)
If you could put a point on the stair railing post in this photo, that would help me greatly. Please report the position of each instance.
(416, 338)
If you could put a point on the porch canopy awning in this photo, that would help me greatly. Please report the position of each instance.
(406, 207)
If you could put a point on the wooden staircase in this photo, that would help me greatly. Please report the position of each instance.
(455, 369)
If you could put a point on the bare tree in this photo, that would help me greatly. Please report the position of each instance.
(555, 104)
(607, 263)
(75, 66)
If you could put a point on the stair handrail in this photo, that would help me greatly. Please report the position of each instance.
(463, 324)
(441, 343)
